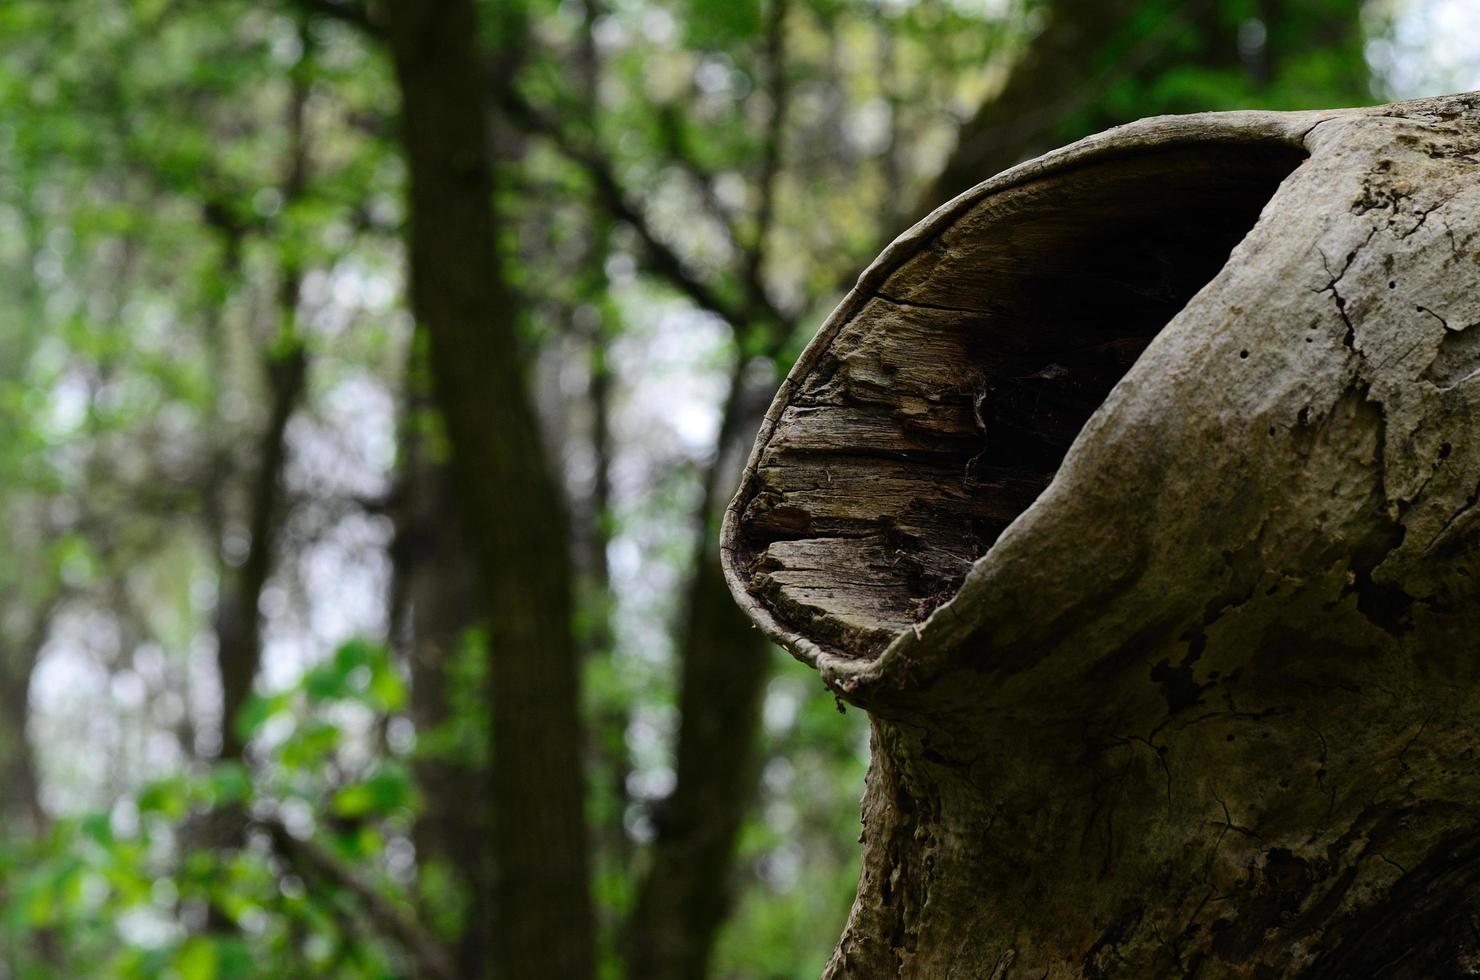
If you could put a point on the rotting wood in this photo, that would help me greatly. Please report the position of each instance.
(1134, 494)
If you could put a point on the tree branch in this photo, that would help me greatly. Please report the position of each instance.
(777, 90)
(664, 260)
(307, 857)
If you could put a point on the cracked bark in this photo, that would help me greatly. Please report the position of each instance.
(1140, 516)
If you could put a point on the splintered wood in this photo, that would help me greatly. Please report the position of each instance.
(941, 407)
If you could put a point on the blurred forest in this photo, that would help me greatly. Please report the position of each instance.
(360, 624)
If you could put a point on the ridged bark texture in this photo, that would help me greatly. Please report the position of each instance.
(1134, 494)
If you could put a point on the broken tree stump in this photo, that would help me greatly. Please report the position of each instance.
(1133, 493)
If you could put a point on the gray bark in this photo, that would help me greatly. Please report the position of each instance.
(1133, 493)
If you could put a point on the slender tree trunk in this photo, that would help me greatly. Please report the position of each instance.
(23, 818)
(238, 618)
(510, 501)
(685, 895)
(442, 596)
(598, 598)
(21, 812)
(285, 369)
(1133, 494)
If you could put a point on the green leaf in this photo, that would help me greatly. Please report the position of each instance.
(167, 797)
(98, 828)
(386, 790)
(721, 24)
(197, 959)
(308, 747)
(256, 712)
(230, 783)
(387, 691)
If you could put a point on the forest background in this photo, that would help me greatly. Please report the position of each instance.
(362, 624)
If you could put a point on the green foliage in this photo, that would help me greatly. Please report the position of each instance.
(711, 25)
(141, 890)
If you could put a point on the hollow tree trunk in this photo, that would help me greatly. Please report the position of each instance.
(1133, 493)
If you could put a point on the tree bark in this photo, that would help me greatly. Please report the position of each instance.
(441, 593)
(1133, 494)
(21, 812)
(511, 503)
(285, 369)
(238, 619)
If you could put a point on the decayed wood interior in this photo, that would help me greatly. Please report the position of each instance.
(942, 408)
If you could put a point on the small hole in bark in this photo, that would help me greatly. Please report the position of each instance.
(931, 418)
(1444, 450)
(1243, 355)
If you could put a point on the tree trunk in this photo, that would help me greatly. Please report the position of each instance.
(511, 504)
(285, 369)
(21, 812)
(238, 618)
(687, 890)
(1133, 494)
(442, 595)
(1094, 62)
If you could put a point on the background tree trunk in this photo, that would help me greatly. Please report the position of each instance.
(685, 895)
(1204, 705)
(285, 371)
(510, 500)
(1096, 65)
(21, 811)
(440, 592)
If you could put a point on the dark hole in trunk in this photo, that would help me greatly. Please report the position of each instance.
(943, 407)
